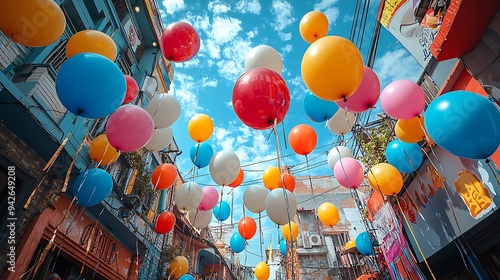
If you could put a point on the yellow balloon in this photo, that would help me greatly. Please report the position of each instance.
(350, 244)
(271, 178)
(200, 127)
(385, 179)
(313, 25)
(34, 23)
(262, 271)
(410, 131)
(91, 41)
(332, 68)
(179, 266)
(289, 235)
(101, 151)
(328, 214)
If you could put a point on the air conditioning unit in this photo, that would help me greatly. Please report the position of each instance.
(315, 239)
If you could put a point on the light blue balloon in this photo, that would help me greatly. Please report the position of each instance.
(237, 243)
(283, 247)
(363, 244)
(92, 186)
(186, 277)
(90, 85)
(317, 109)
(406, 157)
(200, 154)
(222, 210)
(464, 123)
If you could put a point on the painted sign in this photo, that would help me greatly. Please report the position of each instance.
(132, 36)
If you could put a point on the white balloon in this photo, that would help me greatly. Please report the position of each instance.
(160, 140)
(336, 153)
(264, 56)
(341, 122)
(200, 219)
(165, 109)
(255, 198)
(188, 196)
(224, 167)
(276, 206)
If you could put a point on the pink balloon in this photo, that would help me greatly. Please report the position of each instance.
(348, 172)
(402, 99)
(209, 199)
(129, 128)
(366, 96)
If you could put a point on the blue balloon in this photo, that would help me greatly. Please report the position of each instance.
(92, 186)
(90, 85)
(203, 153)
(363, 244)
(317, 109)
(186, 277)
(406, 157)
(222, 210)
(237, 243)
(464, 123)
(283, 247)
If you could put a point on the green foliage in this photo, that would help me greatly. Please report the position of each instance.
(142, 183)
(373, 142)
(168, 253)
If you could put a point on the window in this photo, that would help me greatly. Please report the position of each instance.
(121, 8)
(58, 56)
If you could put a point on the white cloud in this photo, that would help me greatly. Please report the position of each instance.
(172, 6)
(324, 4)
(285, 36)
(212, 48)
(396, 65)
(218, 8)
(208, 82)
(183, 87)
(252, 33)
(232, 63)
(248, 6)
(287, 48)
(332, 14)
(282, 10)
(224, 29)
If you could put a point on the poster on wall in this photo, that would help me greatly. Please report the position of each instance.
(132, 36)
(399, 19)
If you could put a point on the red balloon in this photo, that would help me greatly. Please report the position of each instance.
(164, 176)
(288, 181)
(165, 222)
(132, 89)
(261, 98)
(247, 228)
(179, 42)
(238, 179)
(302, 139)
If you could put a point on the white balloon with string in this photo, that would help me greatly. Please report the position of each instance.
(342, 122)
(255, 198)
(281, 206)
(336, 153)
(188, 196)
(165, 109)
(162, 137)
(200, 219)
(264, 56)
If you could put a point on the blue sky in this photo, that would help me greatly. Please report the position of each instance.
(228, 31)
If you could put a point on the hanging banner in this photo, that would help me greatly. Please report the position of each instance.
(132, 36)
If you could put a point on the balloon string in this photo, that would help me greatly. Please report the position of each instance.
(260, 236)
(488, 162)
(415, 239)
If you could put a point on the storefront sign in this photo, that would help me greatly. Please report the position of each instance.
(99, 243)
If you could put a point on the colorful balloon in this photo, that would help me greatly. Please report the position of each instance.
(165, 222)
(406, 157)
(209, 198)
(350, 244)
(264, 56)
(364, 244)
(366, 96)
(200, 154)
(328, 214)
(317, 109)
(91, 41)
(161, 138)
(290, 231)
(336, 153)
(302, 139)
(385, 179)
(164, 176)
(188, 196)
(464, 123)
(187, 277)
(165, 109)
(271, 177)
(262, 271)
(261, 98)
(254, 198)
(238, 180)
(179, 266)
(313, 25)
(342, 122)
(402, 99)
(247, 228)
(90, 85)
(224, 167)
(281, 206)
(289, 182)
(129, 128)
(132, 89)
(411, 130)
(349, 172)
(92, 186)
(33, 23)
(332, 81)
(237, 243)
(283, 247)
(102, 152)
(200, 219)
(200, 127)
(179, 42)
(222, 211)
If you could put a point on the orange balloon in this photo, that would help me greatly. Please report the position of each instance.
(290, 231)
(238, 179)
(272, 178)
(313, 25)
(328, 214)
(289, 182)
(179, 266)
(385, 179)
(247, 228)
(262, 271)
(302, 139)
(34, 23)
(411, 130)
(200, 127)
(332, 68)
(102, 152)
(93, 41)
(164, 176)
